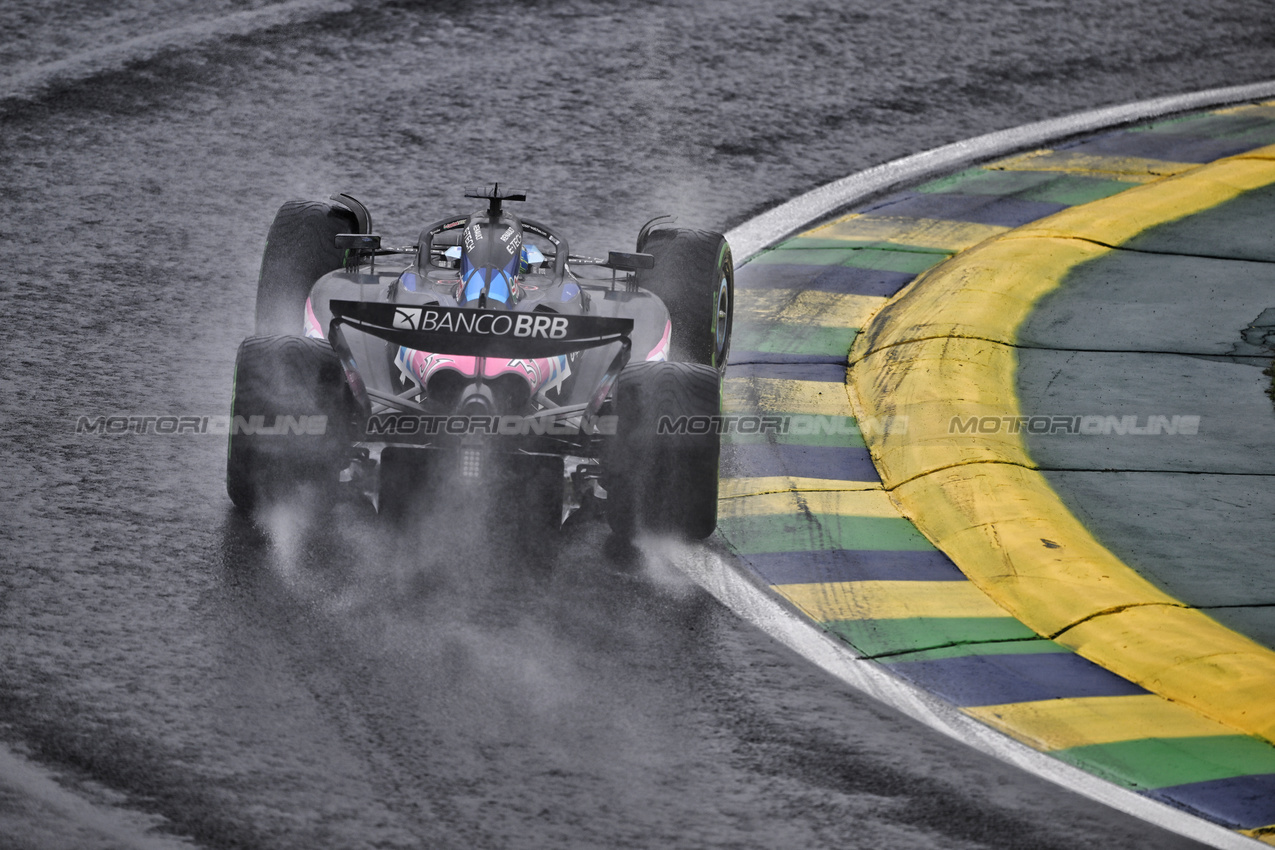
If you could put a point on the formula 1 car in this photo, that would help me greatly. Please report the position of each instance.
(485, 358)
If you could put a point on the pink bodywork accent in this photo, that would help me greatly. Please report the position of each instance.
(537, 373)
(660, 352)
(312, 327)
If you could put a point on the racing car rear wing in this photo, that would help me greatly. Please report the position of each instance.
(479, 333)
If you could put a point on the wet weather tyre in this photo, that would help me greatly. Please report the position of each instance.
(300, 248)
(694, 275)
(665, 482)
(291, 419)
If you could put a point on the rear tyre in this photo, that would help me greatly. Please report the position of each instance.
(300, 249)
(694, 276)
(291, 419)
(665, 482)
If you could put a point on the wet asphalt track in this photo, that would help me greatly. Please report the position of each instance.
(316, 682)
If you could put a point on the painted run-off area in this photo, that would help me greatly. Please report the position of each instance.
(808, 511)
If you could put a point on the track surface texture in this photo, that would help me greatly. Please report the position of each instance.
(174, 676)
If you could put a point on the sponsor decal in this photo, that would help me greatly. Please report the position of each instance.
(481, 323)
(513, 240)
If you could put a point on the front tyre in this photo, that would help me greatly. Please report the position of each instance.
(662, 464)
(291, 419)
(694, 275)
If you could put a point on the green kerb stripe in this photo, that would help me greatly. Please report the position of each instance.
(1161, 762)
(1051, 187)
(788, 339)
(876, 637)
(821, 533)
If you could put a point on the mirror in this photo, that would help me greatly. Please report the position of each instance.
(623, 262)
(363, 243)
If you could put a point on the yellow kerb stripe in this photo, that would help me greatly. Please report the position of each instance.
(1130, 169)
(750, 396)
(1265, 106)
(1267, 152)
(1058, 724)
(889, 600)
(1264, 834)
(1006, 529)
(867, 503)
(806, 307)
(735, 488)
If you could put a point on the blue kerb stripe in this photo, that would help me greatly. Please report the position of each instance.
(832, 374)
(852, 565)
(763, 460)
(745, 358)
(1241, 802)
(1000, 679)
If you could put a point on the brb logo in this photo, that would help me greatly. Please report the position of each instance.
(481, 323)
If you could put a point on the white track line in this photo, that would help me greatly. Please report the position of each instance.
(99, 826)
(30, 84)
(761, 608)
